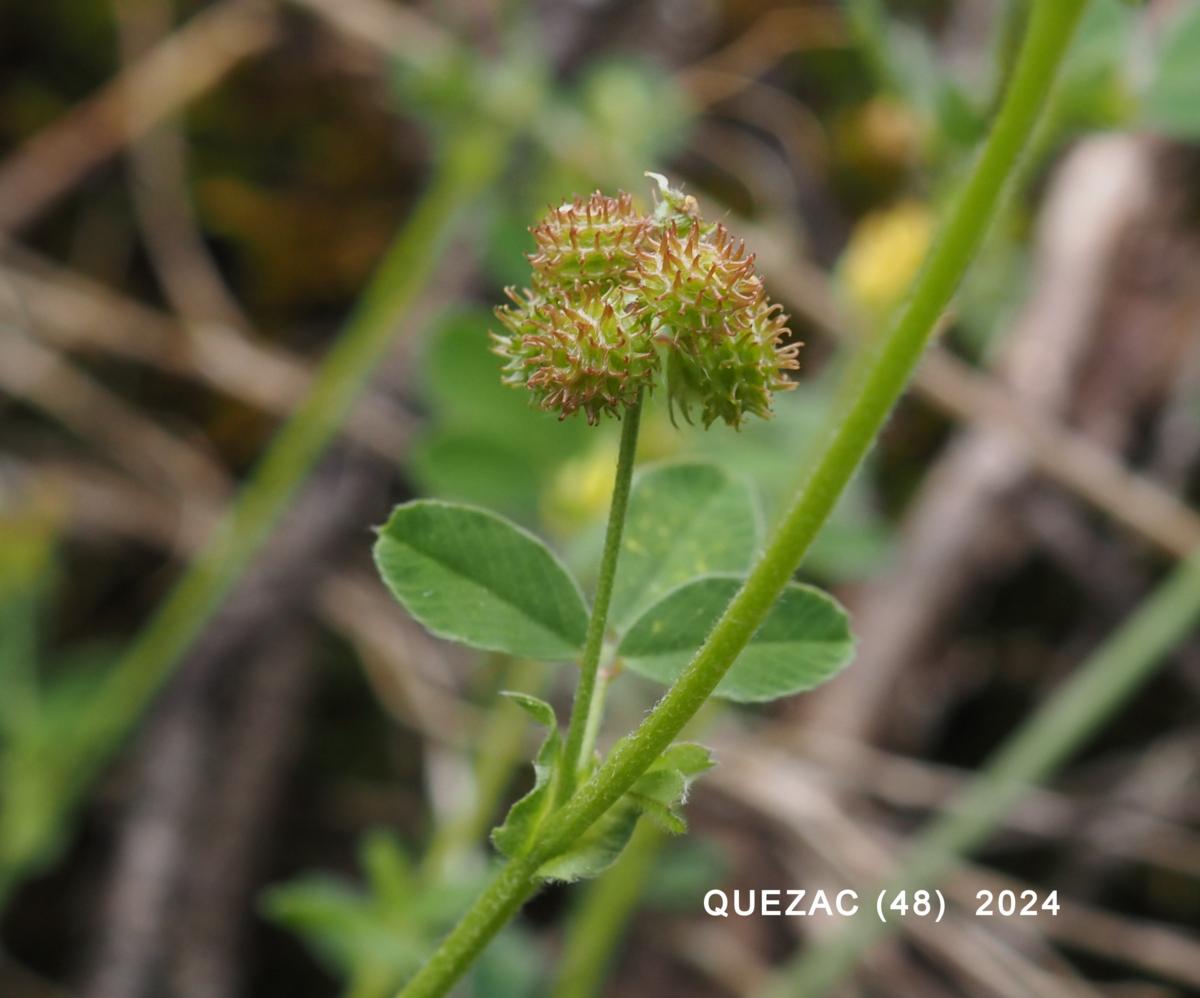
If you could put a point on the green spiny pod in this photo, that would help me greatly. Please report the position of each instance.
(734, 373)
(618, 295)
(589, 240)
(695, 285)
(585, 349)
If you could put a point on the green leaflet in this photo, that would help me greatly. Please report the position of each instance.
(684, 520)
(689, 758)
(804, 641)
(519, 830)
(473, 577)
(658, 793)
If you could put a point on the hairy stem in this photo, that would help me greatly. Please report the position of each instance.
(878, 383)
(1096, 689)
(596, 713)
(589, 664)
(405, 270)
(490, 912)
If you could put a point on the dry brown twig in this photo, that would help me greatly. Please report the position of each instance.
(178, 798)
(777, 113)
(801, 801)
(262, 735)
(151, 853)
(39, 375)
(77, 314)
(777, 33)
(1177, 431)
(780, 790)
(406, 667)
(408, 670)
(390, 27)
(99, 500)
(914, 784)
(186, 65)
(158, 189)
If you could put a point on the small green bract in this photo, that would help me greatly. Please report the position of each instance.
(618, 297)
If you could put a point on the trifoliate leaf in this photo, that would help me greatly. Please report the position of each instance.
(803, 642)
(684, 520)
(473, 577)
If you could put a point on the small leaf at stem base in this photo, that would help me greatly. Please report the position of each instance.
(520, 827)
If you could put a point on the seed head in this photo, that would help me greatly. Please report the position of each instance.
(585, 348)
(618, 296)
(593, 240)
(733, 372)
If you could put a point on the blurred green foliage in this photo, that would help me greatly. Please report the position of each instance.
(1171, 101)
(45, 698)
(482, 442)
(376, 935)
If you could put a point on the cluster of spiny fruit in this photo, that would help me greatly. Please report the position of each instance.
(619, 297)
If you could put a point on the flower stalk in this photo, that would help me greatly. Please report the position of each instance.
(589, 664)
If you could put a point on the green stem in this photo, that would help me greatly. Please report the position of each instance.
(596, 925)
(1094, 691)
(468, 166)
(589, 664)
(876, 389)
(512, 886)
(596, 714)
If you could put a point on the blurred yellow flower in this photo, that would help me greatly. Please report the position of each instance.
(579, 493)
(883, 255)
